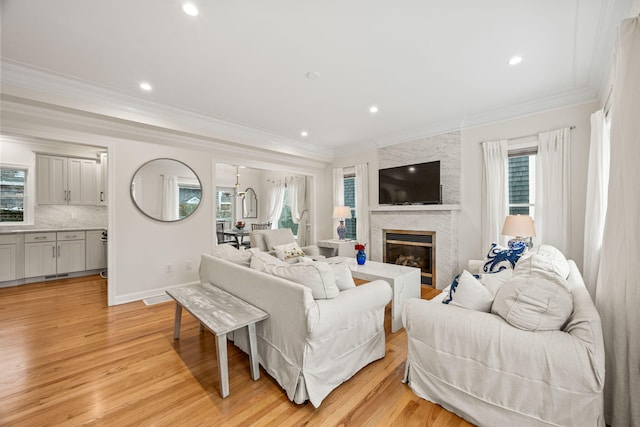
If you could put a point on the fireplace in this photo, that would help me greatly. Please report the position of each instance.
(413, 249)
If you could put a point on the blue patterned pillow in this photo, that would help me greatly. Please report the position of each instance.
(500, 258)
(452, 288)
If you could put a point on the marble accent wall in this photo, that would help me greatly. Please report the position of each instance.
(445, 147)
(69, 216)
(443, 222)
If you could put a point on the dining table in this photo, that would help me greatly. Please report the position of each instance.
(238, 234)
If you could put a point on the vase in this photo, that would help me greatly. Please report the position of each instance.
(361, 257)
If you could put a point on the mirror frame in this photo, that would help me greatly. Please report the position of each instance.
(148, 215)
(245, 211)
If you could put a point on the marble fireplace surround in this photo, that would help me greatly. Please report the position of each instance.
(441, 219)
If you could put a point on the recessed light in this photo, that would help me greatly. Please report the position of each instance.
(373, 109)
(145, 86)
(190, 9)
(304, 133)
(313, 75)
(515, 60)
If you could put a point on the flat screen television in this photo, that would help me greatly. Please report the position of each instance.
(411, 184)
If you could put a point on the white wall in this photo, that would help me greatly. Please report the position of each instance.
(143, 247)
(578, 116)
(469, 246)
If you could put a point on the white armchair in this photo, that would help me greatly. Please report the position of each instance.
(265, 240)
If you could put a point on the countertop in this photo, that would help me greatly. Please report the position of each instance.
(49, 230)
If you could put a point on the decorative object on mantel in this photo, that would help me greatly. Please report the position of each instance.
(340, 213)
(361, 255)
(521, 227)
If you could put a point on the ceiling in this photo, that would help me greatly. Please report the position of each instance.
(429, 66)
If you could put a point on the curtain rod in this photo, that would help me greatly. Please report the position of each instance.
(527, 136)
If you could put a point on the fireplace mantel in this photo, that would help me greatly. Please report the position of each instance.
(441, 219)
(414, 208)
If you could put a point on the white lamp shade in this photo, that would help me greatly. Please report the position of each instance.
(340, 212)
(518, 226)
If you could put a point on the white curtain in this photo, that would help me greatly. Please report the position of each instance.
(170, 198)
(618, 286)
(596, 203)
(275, 200)
(552, 189)
(495, 191)
(297, 187)
(362, 203)
(338, 193)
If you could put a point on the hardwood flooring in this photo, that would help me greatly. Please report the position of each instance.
(67, 359)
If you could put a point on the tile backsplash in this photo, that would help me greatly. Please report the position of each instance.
(65, 216)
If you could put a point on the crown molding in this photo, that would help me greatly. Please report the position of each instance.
(47, 122)
(552, 102)
(21, 81)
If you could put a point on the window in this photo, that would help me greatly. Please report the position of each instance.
(350, 200)
(225, 205)
(13, 184)
(522, 169)
(188, 199)
(285, 220)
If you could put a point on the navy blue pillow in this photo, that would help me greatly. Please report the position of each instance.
(500, 258)
(452, 288)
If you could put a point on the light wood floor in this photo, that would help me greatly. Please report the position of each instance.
(68, 359)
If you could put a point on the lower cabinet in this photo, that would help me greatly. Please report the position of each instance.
(7, 258)
(54, 253)
(40, 255)
(96, 251)
(70, 251)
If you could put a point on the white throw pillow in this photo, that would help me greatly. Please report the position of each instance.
(344, 279)
(536, 298)
(260, 260)
(317, 276)
(493, 281)
(288, 250)
(467, 292)
(556, 257)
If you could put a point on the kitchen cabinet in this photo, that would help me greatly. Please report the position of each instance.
(96, 251)
(54, 253)
(40, 254)
(70, 251)
(7, 258)
(103, 183)
(66, 180)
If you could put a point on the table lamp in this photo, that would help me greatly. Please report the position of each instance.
(340, 213)
(520, 227)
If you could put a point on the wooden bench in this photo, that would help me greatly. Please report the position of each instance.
(221, 313)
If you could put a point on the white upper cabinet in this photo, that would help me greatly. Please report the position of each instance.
(66, 180)
(51, 180)
(103, 184)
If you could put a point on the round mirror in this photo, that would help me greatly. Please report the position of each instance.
(166, 190)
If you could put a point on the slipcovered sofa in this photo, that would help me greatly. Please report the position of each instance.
(535, 359)
(315, 338)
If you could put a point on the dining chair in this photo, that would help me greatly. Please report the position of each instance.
(265, 226)
(222, 238)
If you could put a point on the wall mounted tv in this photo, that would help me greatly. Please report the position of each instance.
(411, 184)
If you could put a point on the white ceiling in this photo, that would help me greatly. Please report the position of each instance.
(429, 66)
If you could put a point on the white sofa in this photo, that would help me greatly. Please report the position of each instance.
(491, 373)
(309, 346)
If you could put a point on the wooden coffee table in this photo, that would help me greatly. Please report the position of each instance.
(221, 313)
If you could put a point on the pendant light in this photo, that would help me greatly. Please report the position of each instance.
(238, 192)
